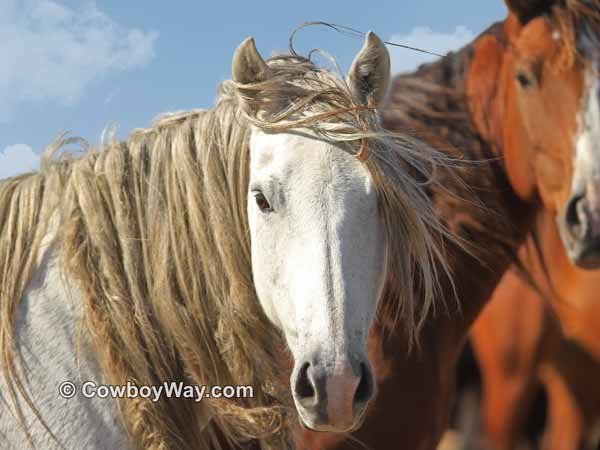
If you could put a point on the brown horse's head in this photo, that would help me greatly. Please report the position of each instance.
(547, 92)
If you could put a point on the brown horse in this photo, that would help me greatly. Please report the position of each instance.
(490, 101)
(522, 341)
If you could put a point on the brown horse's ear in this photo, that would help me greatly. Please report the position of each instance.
(484, 90)
(525, 10)
(247, 65)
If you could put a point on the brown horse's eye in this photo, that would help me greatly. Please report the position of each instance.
(524, 79)
(262, 202)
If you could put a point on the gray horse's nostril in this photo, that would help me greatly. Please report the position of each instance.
(304, 386)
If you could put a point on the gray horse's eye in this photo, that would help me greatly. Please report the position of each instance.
(262, 202)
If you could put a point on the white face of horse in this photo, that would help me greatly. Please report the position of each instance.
(582, 217)
(319, 257)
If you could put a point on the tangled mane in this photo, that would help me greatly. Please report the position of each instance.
(578, 22)
(154, 233)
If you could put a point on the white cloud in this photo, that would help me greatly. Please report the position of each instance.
(405, 60)
(17, 159)
(51, 53)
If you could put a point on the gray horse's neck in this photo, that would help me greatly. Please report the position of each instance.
(50, 352)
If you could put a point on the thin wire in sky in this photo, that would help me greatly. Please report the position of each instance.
(349, 32)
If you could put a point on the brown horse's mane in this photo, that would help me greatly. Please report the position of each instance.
(578, 22)
(433, 102)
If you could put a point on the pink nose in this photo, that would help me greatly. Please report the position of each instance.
(340, 389)
(332, 397)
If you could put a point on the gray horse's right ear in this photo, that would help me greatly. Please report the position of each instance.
(248, 66)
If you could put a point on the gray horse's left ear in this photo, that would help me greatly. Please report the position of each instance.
(369, 75)
(247, 65)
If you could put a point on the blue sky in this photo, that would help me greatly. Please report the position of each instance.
(81, 65)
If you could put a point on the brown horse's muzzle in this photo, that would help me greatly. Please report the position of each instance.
(580, 229)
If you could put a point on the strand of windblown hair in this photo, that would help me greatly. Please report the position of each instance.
(343, 29)
(363, 154)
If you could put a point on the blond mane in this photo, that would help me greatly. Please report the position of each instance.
(154, 233)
